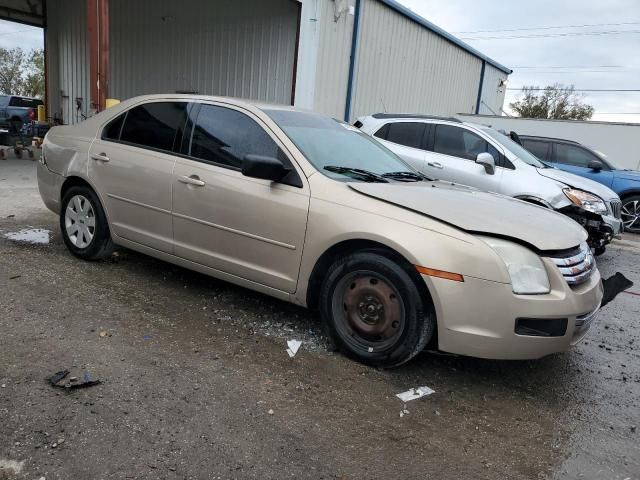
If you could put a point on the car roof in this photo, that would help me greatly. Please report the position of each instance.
(260, 105)
(392, 116)
(551, 139)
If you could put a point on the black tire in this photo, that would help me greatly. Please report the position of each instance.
(599, 251)
(100, 246)
(382, 336)
(630, 206)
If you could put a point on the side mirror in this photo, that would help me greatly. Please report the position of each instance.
(489, 163)
(266, 168)
(595, 165)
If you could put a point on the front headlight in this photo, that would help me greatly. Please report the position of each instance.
(586, 200)
(527, 272)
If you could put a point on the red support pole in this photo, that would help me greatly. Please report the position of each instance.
(103, 40)
(92, 33)
(98, 33)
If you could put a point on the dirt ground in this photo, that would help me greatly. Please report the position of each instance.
(196, 382)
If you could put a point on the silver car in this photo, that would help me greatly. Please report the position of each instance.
(481, 157)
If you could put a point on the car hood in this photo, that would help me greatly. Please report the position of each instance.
(628, 174)
(480, 212)
(576, 181)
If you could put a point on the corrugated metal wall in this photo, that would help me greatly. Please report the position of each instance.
(332, 73)
(244, 48)
(492, 92)
(404, 67)
(68, 59)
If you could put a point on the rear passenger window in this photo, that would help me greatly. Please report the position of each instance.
(383, 132)
(459, 142)
(539, 149)
(409, 134)
(224, 136)
(155, 125)
(113, 128)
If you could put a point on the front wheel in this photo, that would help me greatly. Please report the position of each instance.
(631, 214)
(374, 311)
(84, 226)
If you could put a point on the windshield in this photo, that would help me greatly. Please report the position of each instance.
(517, 150)
(337, 149)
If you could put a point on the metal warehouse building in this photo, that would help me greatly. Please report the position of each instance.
(342, 57)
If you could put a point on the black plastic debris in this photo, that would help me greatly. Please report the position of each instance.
(613, 286)
(57, 377)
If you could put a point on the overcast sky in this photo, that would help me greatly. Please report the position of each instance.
(586, 60)
(602, 61)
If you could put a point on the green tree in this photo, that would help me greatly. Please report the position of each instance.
(34, 76)
(22, 73)
(557, 101)
(11, 71)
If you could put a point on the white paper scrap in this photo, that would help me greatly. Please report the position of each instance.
(294, 346)
(415, 393)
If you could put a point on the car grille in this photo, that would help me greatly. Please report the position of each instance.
(616, 208)
(576, 266)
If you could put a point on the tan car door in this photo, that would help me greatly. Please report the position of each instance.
(131, 164)
(247, 227)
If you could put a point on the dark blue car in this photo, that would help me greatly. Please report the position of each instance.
(581, 160)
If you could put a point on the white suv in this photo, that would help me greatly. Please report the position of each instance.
(481, 157)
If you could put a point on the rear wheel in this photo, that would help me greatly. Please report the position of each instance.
(631, 214)
(374, 311)
(84, 225)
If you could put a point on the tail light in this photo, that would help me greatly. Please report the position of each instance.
(31, 114)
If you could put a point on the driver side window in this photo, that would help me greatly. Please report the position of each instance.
(574, 155)
(224, 136)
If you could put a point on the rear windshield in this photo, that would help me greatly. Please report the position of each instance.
(24, 102)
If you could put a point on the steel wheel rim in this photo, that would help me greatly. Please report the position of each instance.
(369, 312)
(631, 215)
(80, 221)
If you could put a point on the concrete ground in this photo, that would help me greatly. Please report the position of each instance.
(196, 383)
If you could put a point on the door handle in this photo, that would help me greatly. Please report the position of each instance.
(100, 157)
(435, 165)
(192, 180)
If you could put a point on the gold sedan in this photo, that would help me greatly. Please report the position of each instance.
(307, 209)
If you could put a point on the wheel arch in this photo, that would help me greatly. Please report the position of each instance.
(79, 181)
(629, 193)
(74, 181)
(347, 247)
